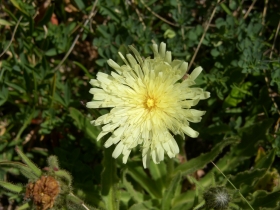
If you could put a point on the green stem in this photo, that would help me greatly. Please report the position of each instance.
(73, 198)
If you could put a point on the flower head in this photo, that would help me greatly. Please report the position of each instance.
(148, 103)
(217, 198)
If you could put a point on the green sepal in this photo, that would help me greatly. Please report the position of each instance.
(74, 199)
(71, 205)
(73, 202)
(26, 171)
(28, 162)
(24, 206)
(11, 187)
(64, 175)
(53, 162)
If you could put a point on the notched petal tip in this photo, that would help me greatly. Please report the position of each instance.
(162, 49)
(155, 50)
(94, 82)
(190, 132)
(137, 55)
(168, 57)
(94, 104)
(124, 60)
(100, 135)
(113, 64)
(195, 73)
(118, 150)
(207, 94)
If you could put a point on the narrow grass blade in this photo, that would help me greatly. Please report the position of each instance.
(28, 162)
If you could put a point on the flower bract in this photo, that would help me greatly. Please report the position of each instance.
(150, 103)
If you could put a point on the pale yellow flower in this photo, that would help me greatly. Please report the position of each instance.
(148, 103)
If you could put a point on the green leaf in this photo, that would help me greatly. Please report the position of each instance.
(11, 187)
(65, 175)
(24, 206)
(5, 23)
(109, 181)
(225, 8)
(146, 205)
(20, 5)
(28, 162)
(169, 193)
(184, 200)
(233, 5)
(101, 29)
(67, 94)
(125, 199)
(51, 52)
(218, 129)
(199, 162)
(84, 69)
(250, 136)
(16, 87)
(101, 62)
(169, 33)
(136, 196)
(27, 121)
(246, 178)
(80, 4)
(57, 97)
(192, 35)
(84, 124)
(135, 170)
(26, 171)
(47, 16)
(4, 95)
(215, 52)
(266, 161)
(263, 200)
(111, 13)
(237, 94)
(158, 172)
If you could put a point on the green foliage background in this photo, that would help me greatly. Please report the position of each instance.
(42, 103)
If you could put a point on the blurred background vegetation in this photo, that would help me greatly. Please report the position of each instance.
(49, 50)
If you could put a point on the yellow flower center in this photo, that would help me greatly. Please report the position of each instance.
(150, 103)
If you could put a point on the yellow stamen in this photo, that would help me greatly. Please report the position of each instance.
(150, 103)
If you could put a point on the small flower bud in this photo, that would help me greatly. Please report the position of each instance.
(217, 198)
(53, 163)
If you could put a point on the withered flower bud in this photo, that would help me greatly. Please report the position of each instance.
(43, 192)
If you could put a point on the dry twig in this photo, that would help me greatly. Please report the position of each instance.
(139, 16)
(266, 79)
(203, 35)
(91, 14)
(158, 16)
(249, 10)
(264, 11)
(270, 92)
(13, 35)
